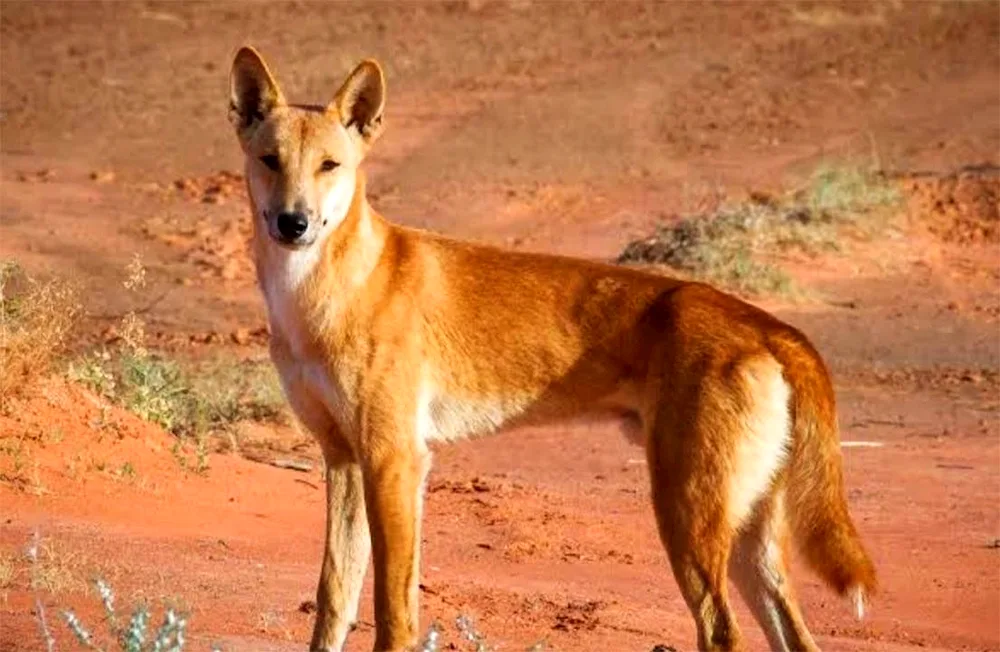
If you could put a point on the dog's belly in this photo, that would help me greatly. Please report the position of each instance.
(444, 418)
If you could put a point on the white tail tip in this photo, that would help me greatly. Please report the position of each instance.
(857, 598)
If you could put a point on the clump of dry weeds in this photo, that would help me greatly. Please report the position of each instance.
(730, 246)
(36, 318)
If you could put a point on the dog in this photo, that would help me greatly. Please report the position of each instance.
(388, 338)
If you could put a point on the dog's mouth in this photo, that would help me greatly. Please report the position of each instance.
(293, 243)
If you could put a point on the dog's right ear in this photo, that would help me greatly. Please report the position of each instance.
(253, 93)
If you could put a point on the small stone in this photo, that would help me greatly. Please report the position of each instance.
(972, 377)
(110, 334)
(230, 269)
(241, 336)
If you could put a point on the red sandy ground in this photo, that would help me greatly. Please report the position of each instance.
(544, 126)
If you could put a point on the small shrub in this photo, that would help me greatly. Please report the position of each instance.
(133, 636)
(185, 400)
(725, 247)
(35, 319)
(155, 390)
(94, 371)
(848, 192)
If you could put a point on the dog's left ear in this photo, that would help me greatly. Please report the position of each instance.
(360, 101)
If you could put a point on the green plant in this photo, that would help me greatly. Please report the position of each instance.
(133, 636)
(93, 370)
(126, 471)
(848, 192)
(186, 400)
(154, 389)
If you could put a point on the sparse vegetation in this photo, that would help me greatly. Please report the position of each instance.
(473, 640)
(16, 469)
(726, 247)
(53, 569)
(8, 570)
(135, 635)
(190, 400)
(848, 194)
(35, 319)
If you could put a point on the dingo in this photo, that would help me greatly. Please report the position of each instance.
(388, 338)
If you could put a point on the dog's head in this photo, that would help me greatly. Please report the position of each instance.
(302, 161)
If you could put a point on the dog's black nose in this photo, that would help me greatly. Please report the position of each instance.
(291, 226)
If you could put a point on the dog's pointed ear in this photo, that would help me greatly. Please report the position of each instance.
(253, 93)
(359, 102)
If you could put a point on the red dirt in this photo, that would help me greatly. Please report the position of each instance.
(547, 126)
(963, 207)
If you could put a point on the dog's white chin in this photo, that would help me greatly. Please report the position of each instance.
(298, 245)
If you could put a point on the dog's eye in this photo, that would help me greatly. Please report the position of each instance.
(271, 161)
(328, 165)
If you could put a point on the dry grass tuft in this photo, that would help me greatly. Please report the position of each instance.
(731, 246)
(54, 569)
(35, 319)
(8, 570)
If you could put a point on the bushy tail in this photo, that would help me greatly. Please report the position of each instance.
(817, 507)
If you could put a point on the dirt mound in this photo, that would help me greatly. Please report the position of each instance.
(58, 434)
(960, 207)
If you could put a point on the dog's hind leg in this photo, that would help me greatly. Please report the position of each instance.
(691, 516)
(758, 568)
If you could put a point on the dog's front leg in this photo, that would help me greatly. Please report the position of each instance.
(345, 556)
(394, 480)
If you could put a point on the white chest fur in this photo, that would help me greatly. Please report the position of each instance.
(281, 280)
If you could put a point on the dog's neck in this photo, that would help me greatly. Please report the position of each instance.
(349, 253)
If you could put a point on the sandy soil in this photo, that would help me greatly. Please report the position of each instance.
(565, 127)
